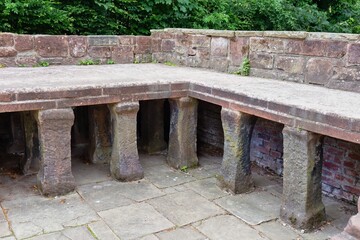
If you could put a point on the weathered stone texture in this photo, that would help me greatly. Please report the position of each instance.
(125, 164)
(24, 42)
(103, 40)
(302, 205)
(324, 48)
(152, 126)
(319, 70)
(219, 47)
(168, 45)
(182, 136)
(26, 58)
(78, 46)
(6, 40)
(290, 64)
(235, 169)
(100, 134)
(239, 49)
(354, 53)
(263, 61)
(54, 130)
(123, 54)
(51, 46)
(7, 52)
(274, 45)
(100, 52)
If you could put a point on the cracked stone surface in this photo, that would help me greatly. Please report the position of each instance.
(155, 208)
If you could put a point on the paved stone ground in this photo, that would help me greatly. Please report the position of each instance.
(167, 204)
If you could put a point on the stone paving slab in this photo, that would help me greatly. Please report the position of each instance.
(227, 227)
(277, 230)
(253, 208)
(188, 233)
(4, 229)
(68, 234)
(164, 177)
(102, 231)
(34, 215)
(85, 173)
(185, 207)
(207, 188)
(135, 220)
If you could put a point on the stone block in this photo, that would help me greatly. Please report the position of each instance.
(125, 164)
(123, 54)
(235, 168)
(103, 40)
(354, 53)
(302, 205)
(200, 41)
(78, 46)
(156, 45)
(323, 48)
(27, 59)
(182, 136)
(290, 64)
(54, 130)
(7, 52)
(100, 52)
(219, 47)
(262, 61)
(319, 70)
(30, 162)
(6, 40)
(167, 45)
(51, 46)
(219, 64)
(126, 40)
(275, 45)
(239, 48)
(24, 42)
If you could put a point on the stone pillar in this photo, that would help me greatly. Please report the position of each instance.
(31, 161)
(302, 205)
(18, 144)
(54, 130)
(100, 134)
(182, 137)
(125, 164)
(236, 166)
(152, 126)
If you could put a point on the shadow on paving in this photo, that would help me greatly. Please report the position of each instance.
(166, 204)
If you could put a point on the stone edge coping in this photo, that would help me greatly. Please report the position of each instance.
(274, 34)
(327, 124)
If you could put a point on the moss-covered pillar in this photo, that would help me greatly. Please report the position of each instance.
(100, 134)
(182, 137)
(235, 172)
(54, 131)
(31, 161)
(152, 126)
(125, 164)
(302, 205)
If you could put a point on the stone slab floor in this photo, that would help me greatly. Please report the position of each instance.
(167, 204)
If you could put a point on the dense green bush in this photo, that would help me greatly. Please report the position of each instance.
(138, 17)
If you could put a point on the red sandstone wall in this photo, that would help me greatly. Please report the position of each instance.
(28, 50)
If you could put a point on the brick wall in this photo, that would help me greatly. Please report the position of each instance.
(29, 50)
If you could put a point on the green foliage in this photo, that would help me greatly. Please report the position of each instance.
(138, 17)
(171, 64)
(110, 61)
(89, 62)
(184, 169)
(244, 69)
(42, 64)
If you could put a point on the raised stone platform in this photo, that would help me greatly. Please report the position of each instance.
(308, 113)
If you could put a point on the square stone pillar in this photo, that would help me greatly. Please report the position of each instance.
(235, 172)
(100, 134)
(125, 164)
(302, 205)
(31, 161)
(54, 131)
(183, 130)
(152, 126)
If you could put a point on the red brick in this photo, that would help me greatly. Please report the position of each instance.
(349, 164)
(351, 189)
(354, 156)
(58, 94)
(331, 166)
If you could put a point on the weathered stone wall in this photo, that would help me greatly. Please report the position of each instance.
(29, 50)
(326, 59)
